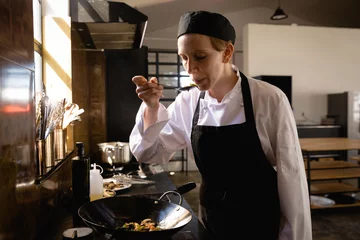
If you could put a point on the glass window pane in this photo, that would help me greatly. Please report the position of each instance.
(185, 81)
(151, 57)
(37, 20)
(178, 155)
(169, 81)
(38, 81)
(38, 72)
(168, 69)
(168, 57)
(182, 70)
(170, 93)
(152, 69)
(166, 103)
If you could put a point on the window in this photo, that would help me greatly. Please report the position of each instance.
(166, 66)
(39, 86)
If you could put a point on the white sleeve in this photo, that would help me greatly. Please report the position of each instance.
(292, 182)
(161, 140)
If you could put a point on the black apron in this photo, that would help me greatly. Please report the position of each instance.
(238, 193)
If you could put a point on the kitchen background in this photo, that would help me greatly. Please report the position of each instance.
(42, 41)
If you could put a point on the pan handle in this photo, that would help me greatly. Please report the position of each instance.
(174, 192)
(187, 187)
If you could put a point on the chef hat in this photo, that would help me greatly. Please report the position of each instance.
(207, 23)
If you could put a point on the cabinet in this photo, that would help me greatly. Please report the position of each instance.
(332, 176)
(122, 103)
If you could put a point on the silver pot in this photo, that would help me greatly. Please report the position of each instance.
(115, 153)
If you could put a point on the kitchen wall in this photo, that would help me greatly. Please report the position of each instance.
(321, 60)
(88, 86)
(25, 204)
(27, 200)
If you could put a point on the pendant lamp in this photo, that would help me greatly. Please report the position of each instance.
(279, 13)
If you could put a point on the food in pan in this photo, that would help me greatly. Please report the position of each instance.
(146, 225)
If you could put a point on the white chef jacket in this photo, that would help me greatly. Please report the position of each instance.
(276, 128)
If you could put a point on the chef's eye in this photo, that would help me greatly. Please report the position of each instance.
(183, 58)
(199, 58)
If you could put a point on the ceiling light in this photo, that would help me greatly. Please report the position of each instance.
(279, 13)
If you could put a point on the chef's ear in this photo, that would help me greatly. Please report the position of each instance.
(228, 52)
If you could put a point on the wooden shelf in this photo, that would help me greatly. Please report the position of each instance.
(324, 176)
(357, 204)
(323, 188)
(329, 144)
(345, 173)
(331, 164)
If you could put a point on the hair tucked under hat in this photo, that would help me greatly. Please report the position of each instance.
(207, 23)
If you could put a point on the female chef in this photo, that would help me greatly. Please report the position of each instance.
(241, 132)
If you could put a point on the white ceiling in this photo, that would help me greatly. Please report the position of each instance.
(164, 14)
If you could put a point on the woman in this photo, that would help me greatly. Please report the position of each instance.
(242, 134)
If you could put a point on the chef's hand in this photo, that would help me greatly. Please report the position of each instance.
(148, 91)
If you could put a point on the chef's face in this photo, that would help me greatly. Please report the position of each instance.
(201, 60)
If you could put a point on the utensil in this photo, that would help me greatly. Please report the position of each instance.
(186, 88)
(106, 215)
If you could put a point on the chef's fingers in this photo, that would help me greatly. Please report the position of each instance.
(150, 95)
(149, 92)
(139, 80)
(153, 80)
(149, 87)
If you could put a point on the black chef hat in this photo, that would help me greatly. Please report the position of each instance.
(207, 23)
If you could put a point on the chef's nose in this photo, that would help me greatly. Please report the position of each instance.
(192, 67)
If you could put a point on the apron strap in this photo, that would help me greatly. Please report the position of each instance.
(249, 111)
(196, 114)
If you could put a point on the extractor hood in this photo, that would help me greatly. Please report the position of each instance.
(103, 24)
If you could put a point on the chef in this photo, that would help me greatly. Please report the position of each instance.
(240, 131)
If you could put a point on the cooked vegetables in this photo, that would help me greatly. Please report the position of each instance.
(146, 225)
(109, 193)
(112, 185)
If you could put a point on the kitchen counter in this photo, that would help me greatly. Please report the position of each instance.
(62, 219)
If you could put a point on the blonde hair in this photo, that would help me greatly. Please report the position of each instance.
(219, 44)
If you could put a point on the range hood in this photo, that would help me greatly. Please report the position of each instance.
(103, 24)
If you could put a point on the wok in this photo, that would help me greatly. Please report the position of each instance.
(105, 215)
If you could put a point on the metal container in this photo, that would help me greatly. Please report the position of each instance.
(49, 151)
(40, 157)
(60, 143)
(115, 153)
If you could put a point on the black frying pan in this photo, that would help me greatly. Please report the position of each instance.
(105, 215)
